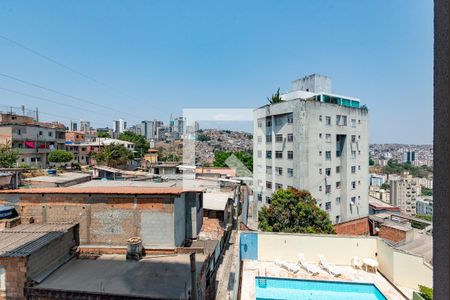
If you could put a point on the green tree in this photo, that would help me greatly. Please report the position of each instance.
(426, 191)
(170, 157)
(141, 145)
(426, 292)
(296, 211)
(221, 156)
(104, 134)
(113, 155)
(8, 156)
(201, 137)
(371, 162)
(275, 98)
(60, 156)
(386, 186)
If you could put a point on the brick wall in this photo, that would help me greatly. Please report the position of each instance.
(15, 277)
(353, 227)
(391, 234)
(105, 219)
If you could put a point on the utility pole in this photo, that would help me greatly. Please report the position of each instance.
(193, 277)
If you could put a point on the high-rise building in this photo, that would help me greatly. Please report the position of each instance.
(73, 126)
(404, 194)
(178, 128)
(316, 141)
(119, 126)
(409, 156)
(424, 206)
(85, 126)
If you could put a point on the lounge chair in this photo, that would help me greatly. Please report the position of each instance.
(310, 268)
(323, 262)
(293, 268)
(356, 262)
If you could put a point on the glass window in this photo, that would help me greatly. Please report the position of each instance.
(259, 153)
(327, 120)
(268, 122)
(338, 185)
(290, 137)
(320, 188)
(268, 138)
(278, 186)
(338, 153)
(290, 172)
(327, 205)
(328, 188)
(338, 200)
(279, 138)
(353, 154)
(353, 169)
(290, 154)
(269, 154)
(278, 121)
(320, 135)
(268, 184)
(268, 200)
(290, 118)
(268, 169)
(338, 169)
(353, 138)
(353, 123)
(328, 154)
(320, 171)
(259, 139)
(259, 124)
(328, 138)
(278, 171)
(353, 185)
(328, 171)
(320, 118)
(278, 154)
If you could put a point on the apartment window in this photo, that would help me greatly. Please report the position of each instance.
(353, 169)
(260, 182)
(279, 171)
(353, 200)
(320, 135)
(337, 219)
(353, 154)
(259, 124)
(278, 121)
(268, 184)
(338, 200)
(40, 132)
(341, 120)
(269, 154)
(353, 123)
(338, 169)
(268, 200)
(290, 137)
(327, 206)
(338, 153)
(359, 182)
(328, 188)
(359, 167)
(353, 138)
(328, 138)
(320, 118)
(268, 169)
(320, 171)
(338, 185)
(259, 197)
(278, 186)
(290, 118)
(259, 153)
(268, 138)
(290, 154)
(50, 133)
(359, 121)
(19, 132)
(268, 123)
(327, 120)
(279, 154)
(278, 138)
(353, 185)
(320, 188)
(320, 153)
(290, 172)
(359, 152)
(328, 154)
(259, 139)
(328, 171)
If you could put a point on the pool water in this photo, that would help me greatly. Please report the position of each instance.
(293, 289)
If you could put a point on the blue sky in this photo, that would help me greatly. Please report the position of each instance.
(154, 58)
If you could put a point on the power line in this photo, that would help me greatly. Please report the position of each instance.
(62, 65)
(50, 100)
(61, 93)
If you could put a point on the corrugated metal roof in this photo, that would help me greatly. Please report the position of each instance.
(24, 239)
(105, 190)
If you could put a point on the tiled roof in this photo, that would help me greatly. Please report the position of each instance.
(105, 190)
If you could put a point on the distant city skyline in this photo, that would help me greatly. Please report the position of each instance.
(148, 60)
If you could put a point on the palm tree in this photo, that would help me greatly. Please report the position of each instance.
(275, 98)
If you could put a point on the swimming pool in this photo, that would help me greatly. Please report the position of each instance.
(293, 289)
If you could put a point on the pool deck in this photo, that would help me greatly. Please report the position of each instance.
(252, 269)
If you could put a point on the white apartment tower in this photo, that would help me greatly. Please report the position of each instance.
(317, 141)
(404, 194)
(119, 126)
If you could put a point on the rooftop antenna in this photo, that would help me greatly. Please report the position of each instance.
(37, 114)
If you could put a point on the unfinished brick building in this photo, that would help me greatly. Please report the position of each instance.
(162, 217)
